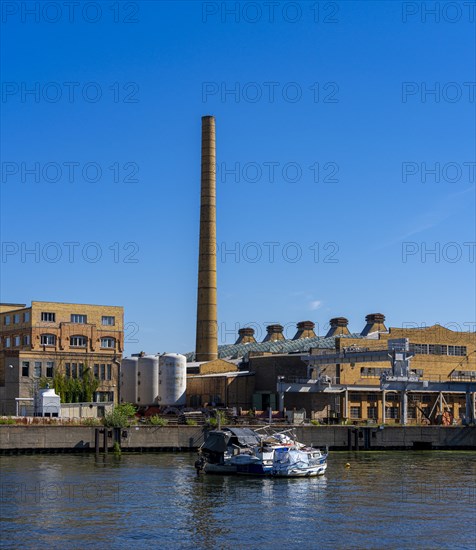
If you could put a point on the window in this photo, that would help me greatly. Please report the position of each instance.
(107, 320)
(96, 370)
(67, 370)
(16, 341)
(354, 412)
(78, 341)
(74, 370)
(372, 397)
(8, 342)
(457, 350)
(80, 319)
(80, 370)
(391, 397)
(108, 343)
(48, 316)
(108, 372)
(372, 413)
(6, 320)
(25, 368)
(104, 396)
(50, 366)
(371, 372)
(436, 349)
(16, 318)
(419, 348)
(391, 412)
(103, 372)
(37, 371)
(26, 316)
(26, 340)
(48, 340)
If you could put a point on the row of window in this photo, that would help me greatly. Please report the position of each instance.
(77, 318)
(372, 412)
(50, 340)
(38, 368)
(437, 349)
(7, 320)
(101, 371)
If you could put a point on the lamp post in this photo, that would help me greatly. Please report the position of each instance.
(280, 389)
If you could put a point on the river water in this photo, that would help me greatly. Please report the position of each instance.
(384, 500)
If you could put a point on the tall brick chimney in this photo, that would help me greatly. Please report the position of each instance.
(305, 329)
(338, 327)
(246, 336)
(375, 322)
(206, 348)
(275, 332)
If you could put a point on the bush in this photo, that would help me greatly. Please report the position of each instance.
(121, 416)
(191, 422)
(90, 422)
(315, 422)
(7, 421)
(157, 420)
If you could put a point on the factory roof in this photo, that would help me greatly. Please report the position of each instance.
(303, 345)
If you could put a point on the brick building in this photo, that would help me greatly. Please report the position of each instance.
(439, 355)
(47, 338)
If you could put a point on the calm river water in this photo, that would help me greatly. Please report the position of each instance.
(384, 500)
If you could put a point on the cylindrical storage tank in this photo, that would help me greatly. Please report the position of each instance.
(172, 379)
(148, 380)
(129, 380)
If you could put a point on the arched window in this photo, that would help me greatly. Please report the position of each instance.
(48, 340)
(78, 341)
(108, 342)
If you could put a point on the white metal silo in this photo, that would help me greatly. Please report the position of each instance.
(129, 380)
(172, 379)
(148, 380)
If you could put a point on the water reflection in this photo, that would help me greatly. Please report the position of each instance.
(391, 499)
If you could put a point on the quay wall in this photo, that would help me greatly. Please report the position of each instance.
(37, 438)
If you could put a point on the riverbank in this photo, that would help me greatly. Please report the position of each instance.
(56, 438)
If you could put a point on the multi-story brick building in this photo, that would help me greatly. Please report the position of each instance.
(51, 338)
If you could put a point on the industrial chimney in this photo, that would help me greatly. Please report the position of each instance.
(246, 336)
(375, 322)
(207, 326)
(305, 329)
(338, 327)
(274, 332)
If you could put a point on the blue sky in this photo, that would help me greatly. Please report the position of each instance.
(339, 169)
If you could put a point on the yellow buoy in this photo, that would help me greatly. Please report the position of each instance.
(347, 465)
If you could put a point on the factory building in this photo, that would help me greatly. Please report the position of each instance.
(52, 338)
(353, 391)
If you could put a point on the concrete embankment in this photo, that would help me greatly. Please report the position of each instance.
(40, 439)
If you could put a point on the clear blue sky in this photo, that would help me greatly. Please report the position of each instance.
(348, 89)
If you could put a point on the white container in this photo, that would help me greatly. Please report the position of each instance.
(47, 403)
(172, 379)
(129, 380)
(148, 380)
